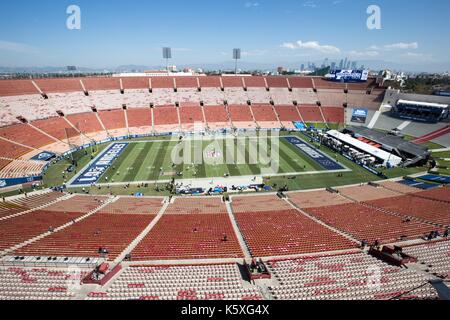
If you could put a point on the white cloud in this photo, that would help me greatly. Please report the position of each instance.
(310, 4)
(402, 46)
(396, 46)
(371, 53)
(419, 56)
(311, 45)
(16, 47)
(251, 4)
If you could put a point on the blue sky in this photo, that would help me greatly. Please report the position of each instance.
(117, 32)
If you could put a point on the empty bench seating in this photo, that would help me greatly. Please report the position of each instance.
(408, 205)
(32, 283)
(201, 282)
(113, 232)
(350, 276)
(316, 199)
(366, 223)
(23, 203)
(436, 255)
(285, 232)
(16, 230)
(192, 228)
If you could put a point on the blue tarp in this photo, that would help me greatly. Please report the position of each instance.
(314, 154)
(419, 185)
(435, 178)
(98, 167)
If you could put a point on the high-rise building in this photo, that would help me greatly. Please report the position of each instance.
(354, 65)
(341, 64)
(333, 66)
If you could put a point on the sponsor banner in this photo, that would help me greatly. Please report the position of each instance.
(44, 156)
(100, 165)
(299, 125)
(360, 115)
(322, 159)
(4, 183)
(348, 75)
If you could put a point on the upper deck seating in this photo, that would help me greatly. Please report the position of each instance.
(232, 82)
(212, 96)
(235, 95)
(85, 122)
(332, 98)
(287, 114)
(162, 83)
(258, 95)
(59, 85)
(30, 107)
(254, 82)
(209, 82)
(139, 120)
(166, 119)
(241, 116)
(56, 127)
(304, 96)
(281, 96)
(113, 119)
(135, 83)
(11, 150)
(17, 88)
(300, 82)
(360, 99)
(186, 82)
(277, 82)
(333, 114)
(320, 83)
(101, 83)
(216, 114)
(26, 135)
(191, 116)
(310, 113)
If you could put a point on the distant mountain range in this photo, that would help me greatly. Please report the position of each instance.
(229, 65)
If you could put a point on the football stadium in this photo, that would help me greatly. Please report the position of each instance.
(167, 185)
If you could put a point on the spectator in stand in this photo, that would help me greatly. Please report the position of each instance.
(446, 232)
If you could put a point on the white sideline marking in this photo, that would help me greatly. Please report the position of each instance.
(374, 120)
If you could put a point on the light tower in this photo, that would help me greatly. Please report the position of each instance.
(167, 54)
(236, 57)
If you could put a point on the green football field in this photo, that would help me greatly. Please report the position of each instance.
(154, 160)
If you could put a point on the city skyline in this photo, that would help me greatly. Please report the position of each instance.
(112, 33)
